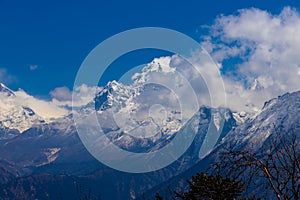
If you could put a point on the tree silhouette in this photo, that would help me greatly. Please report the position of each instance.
(211, 187)
(278, 164)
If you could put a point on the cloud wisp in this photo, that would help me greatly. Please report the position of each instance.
(33, 67)
(61, 94)
(6, 77)
(82, 95)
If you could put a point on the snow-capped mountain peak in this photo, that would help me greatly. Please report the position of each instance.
(5, 90)
(21, 111)
(137, 109)
(147, 106)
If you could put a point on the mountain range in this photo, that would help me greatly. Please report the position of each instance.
(43, 157)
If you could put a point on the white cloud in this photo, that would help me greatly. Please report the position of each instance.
(268, 46)
(61, 94)
(33, 67)
(45, 109)
(82, 95)
(5, 77)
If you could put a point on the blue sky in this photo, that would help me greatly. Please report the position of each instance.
(43, 43)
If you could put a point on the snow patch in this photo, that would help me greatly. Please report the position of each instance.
(52, 154)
